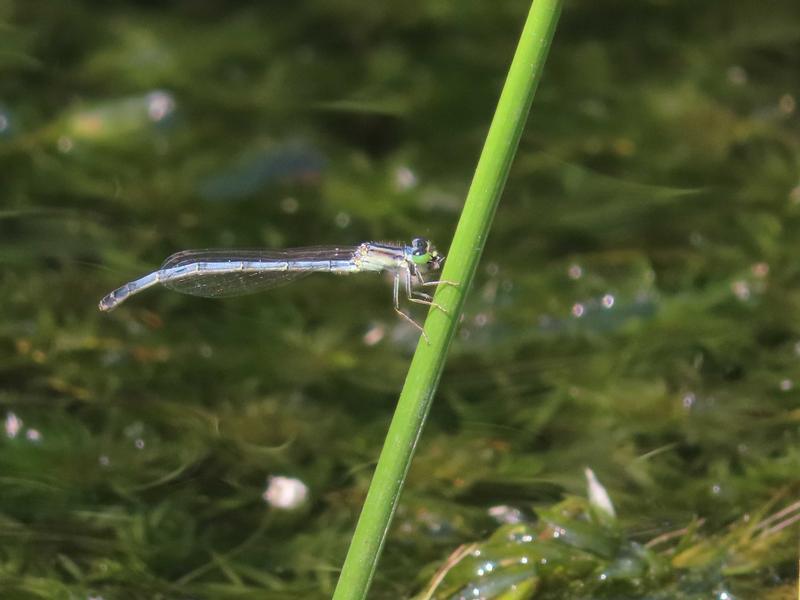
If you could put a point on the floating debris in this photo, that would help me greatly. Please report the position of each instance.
(259, 169)
(115, 121)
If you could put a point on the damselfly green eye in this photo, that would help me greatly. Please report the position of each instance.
(420, 246)
(424, 254)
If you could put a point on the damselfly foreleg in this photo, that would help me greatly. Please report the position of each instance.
(424, 299)
(396, 294)
(422, 281)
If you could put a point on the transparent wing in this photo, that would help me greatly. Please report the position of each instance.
(219, 285)
(218, 273)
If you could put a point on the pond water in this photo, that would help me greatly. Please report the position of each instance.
(636, 311)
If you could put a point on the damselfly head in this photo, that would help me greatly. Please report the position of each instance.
(424, 254)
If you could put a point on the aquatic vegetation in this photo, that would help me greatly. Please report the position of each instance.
(578, 549)
(636, 309)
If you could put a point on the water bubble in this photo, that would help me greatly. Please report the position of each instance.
(159, 105)
(737, 75)
(405, 178)
(374, 335)
(608, 301)
(65, 144)
(741, 289)
(578, 310)
(289, 205)
(285, 493)
(787, 104)
(342, 220)
(505, 514)
(575, 271)
(13, 425)
(794, 195)
(760, 269)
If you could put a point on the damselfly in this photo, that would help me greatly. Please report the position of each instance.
(218, 273)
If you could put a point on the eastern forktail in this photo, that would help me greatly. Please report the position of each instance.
(218, 273)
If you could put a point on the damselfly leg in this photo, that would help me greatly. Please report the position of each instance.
(396, 294)
(419, 297)
(431, 283)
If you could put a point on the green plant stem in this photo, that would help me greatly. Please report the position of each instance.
(462, 261)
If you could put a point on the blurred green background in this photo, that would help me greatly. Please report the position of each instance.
(637, 309)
